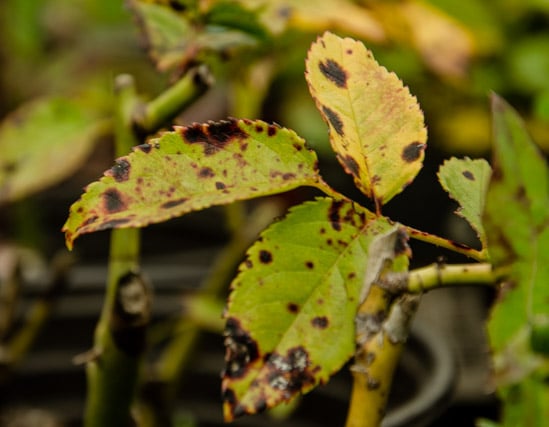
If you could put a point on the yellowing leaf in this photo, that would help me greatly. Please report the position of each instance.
(338, 15)
(445, 45)
(290, 318)
(190, 169)
(376, 125)
(42, 143)
(344, 15)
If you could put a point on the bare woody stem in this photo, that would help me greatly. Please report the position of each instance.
(382, 329)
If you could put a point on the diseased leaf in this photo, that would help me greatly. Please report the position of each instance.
(466, 181)
(193, 168)
(42, 143)
(516, 221)
(290, 318)
(376, 126)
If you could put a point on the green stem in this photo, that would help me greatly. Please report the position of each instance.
(113, 371)
(440, 275)
(119, 338)
(248, 91)
(459, 248)
(161, 110)
(18, 345)
(176, 355)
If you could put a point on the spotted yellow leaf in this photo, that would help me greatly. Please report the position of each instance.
(376, 126)
(190, 169)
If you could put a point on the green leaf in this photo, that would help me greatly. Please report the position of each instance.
(516, 221)
(290, 318)
(466, 181)
(193, 168)
(42, 143)
(376, 125)
(175, 38)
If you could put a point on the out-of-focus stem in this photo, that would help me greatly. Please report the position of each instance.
(114, 363)
(151, 116)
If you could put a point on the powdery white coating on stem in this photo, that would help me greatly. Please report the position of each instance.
(397, 325)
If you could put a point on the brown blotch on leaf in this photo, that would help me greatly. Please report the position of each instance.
(265, 256)
(113, 201)
(240, 349)
(468, 175)
(271, 130)
(310, 265)
(293, 307)
(173, 203)
(220, 186)
(334, 214)
(334, 120)
(291, 373)
(333, 72)
(120, 171)
(412, 152)
(320, 322)
(145, 148)
(350, 164)
(206, 172)
(89, 221)
(214, 136)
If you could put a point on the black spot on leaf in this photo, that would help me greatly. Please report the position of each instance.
(289, 374)
(412, 152)
(206, 172)
(334, 120)
(120, 171)
(214, 136)
(320, 322)
(293, 307)
(468, 175)
(146, 148)
(333, 72)
(113, 201)
(310, 265)
(271, 130)
(173, 203)
(265, 256)
(334, 214)
(220, 186)
(240, 349)
(351, 165)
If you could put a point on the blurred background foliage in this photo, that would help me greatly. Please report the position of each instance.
(451, 54)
